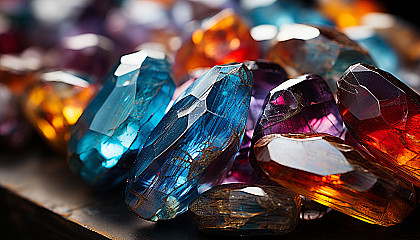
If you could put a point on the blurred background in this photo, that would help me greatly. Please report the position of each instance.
(55, 54)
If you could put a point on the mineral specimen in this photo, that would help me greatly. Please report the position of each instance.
(299, 105)
(116, 123)
(242, 209)
(322, 51)
(330, 171)
(192, 147)
(383, 115)
(54, 103)
(222, 39)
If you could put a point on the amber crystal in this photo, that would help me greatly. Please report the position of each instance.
(323, 51)
(383, 115)
(330, 171)
(242, 209)
(225, 38)
(54, 103)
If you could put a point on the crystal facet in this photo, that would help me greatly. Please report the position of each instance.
(330, 171)
(241, 209)
(117, 122)
(192, 147)
(222, 39)
(383, 115)
(299, 105)
(323, 51)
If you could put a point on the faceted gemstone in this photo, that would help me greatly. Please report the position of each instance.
(266, 76)
(222, 39)
(245, 210)
(192, 147)
(383, 115)
(54, 103)
(299, 105)
(322, 51)
(330, 171)
(117, 122)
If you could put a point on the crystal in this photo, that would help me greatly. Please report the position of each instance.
(245, 210)
(322, 51)
(266, 76)
(330, 171)
(54, 103)
(383, 115)
(87, 53)
(193, 146)
(222, 39)
(116, 123)
(299, 105)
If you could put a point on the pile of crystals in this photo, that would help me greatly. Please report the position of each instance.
(248, 115)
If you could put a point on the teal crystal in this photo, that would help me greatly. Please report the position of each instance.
(193, 146)
(114, 126)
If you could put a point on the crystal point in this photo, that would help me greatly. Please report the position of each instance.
(118, 120)
(192, 147)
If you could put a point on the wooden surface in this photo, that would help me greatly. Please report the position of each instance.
(41, 199)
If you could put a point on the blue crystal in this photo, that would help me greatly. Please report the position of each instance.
(115, 125)
(194, 144)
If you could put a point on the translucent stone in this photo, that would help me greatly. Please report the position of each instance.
(116, 123)
(246, 210)
(330, 171)
(383, 115)
(193, 146)
(54, 103)
(224, 38)
(323, 51)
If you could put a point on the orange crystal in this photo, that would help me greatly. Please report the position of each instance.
(347, 13)
(332, 172)
(54, 103)
(225, 38)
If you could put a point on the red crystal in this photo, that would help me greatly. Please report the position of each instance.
(383, 115)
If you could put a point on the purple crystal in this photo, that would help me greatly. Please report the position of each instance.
(266, 75)
(86, 53)
(300, 105)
